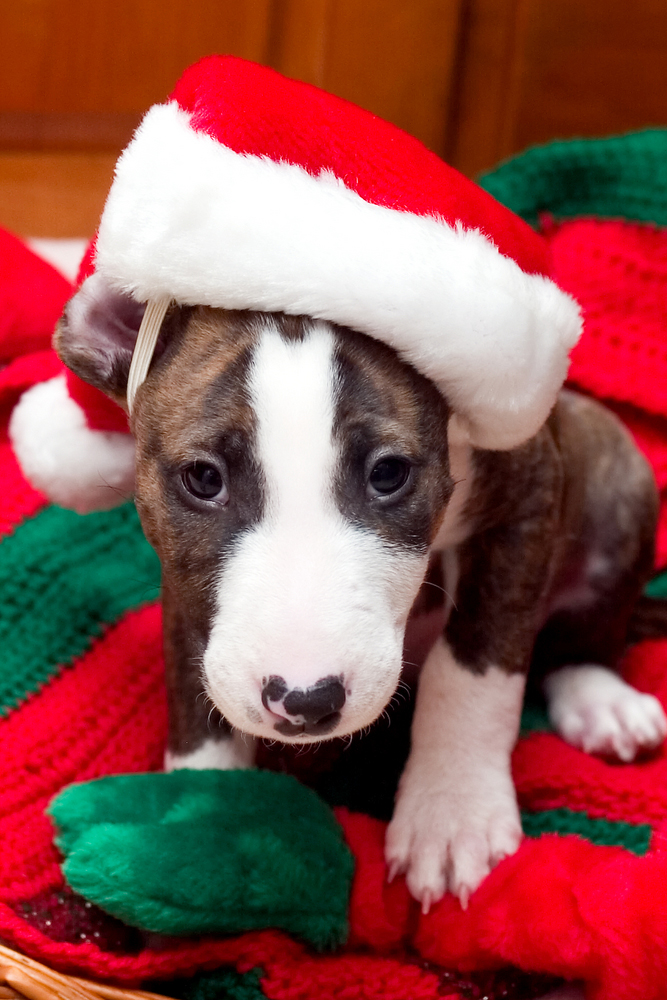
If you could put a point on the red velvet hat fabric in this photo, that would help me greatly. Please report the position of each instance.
(254, 110)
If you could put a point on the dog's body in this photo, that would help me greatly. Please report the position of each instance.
(296, 478)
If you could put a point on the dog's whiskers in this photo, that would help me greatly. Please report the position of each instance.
(117, 490)
(430, 583)
(403, 691)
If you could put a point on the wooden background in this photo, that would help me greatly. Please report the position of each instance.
(476, 80)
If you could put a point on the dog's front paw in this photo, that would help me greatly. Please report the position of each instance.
(595, 710)
(448, 835)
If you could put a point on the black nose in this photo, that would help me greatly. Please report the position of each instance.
(323, 699)
(314, 711)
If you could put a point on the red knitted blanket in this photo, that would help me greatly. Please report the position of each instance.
(81, 695)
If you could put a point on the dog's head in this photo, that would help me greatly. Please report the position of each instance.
(291, 475)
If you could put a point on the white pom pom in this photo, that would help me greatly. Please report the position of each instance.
(75, 467)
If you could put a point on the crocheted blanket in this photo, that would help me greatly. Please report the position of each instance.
(81, 691)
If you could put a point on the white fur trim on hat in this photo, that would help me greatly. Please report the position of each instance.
(74, 466)
(188, 218)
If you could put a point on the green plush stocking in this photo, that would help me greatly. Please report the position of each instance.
(200, 852)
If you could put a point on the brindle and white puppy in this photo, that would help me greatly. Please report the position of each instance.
(295, 478)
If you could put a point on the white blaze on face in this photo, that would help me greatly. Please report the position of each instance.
(305, 594)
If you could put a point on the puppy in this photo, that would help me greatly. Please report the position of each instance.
(295, 478)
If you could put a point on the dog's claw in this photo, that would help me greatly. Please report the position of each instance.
(394, 870)
(449, 841)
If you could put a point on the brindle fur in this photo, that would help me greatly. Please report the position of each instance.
(194, 407)
(562, 546)
(561, 529)
(389, 406)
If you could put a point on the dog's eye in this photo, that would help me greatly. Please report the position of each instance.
(204, 481)
(388, 476)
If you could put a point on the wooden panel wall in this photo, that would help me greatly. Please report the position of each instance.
(85, 71)
(476, 80)
(76, 76)
(535, 70)
(397, 58)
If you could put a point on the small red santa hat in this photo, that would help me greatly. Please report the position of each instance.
(248, 190)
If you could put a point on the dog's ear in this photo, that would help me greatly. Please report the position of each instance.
(96, 335)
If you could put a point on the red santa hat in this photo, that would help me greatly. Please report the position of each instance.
(248, 190)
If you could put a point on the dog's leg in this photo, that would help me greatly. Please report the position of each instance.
(589, 704)
(610, 557)
(595, 710)
(456, 813)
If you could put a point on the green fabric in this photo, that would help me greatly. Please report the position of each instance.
(634, 837)
(224, 984)
(534, 718)
(657, 587)
(621, 177)
(196, 852)
(63, 577)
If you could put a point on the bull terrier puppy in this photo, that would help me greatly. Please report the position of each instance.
(295, 478)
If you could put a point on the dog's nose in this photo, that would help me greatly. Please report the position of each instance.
(316, 702)
(314, 710)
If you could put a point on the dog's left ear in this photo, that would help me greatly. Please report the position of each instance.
(96, 335)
